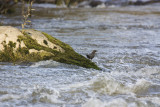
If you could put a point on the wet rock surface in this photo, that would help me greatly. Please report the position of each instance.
(31, 45)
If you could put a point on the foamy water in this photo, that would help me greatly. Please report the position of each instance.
(127, 40)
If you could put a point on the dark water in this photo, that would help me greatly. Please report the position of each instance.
(128, 44)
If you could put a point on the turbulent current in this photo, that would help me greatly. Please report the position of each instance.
(128, 43)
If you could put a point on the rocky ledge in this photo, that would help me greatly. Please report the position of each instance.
(30, 45)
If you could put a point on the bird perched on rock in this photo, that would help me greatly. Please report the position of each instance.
(91, 55)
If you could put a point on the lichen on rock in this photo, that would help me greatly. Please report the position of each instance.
(31, 45)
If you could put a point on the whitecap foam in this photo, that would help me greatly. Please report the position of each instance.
(105, 83)
(93, 102)
(121, 102)
(140, 87)
(52, 64)
(155, 100)
(46, 64)
(151, 72)
(108, 85)
(112, 86)
(8, 97)
(45, 95)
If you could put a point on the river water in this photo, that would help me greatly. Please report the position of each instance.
(128, 43)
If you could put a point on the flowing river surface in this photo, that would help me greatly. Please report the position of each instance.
(128, 43)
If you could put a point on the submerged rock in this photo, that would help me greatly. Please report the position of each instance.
(30, 45)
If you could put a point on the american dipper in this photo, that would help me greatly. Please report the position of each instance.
(91, 55)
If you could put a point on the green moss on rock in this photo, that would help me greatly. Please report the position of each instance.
(21, 54)
(70, 56)
(7, 54)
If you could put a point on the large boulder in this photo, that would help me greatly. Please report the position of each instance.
(30, 45)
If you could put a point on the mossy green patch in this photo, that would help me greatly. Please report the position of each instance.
(33, 44)
(7, 54)
(63, 45)
(21, 54)
(70, 56)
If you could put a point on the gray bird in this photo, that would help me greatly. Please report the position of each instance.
(91, 55)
